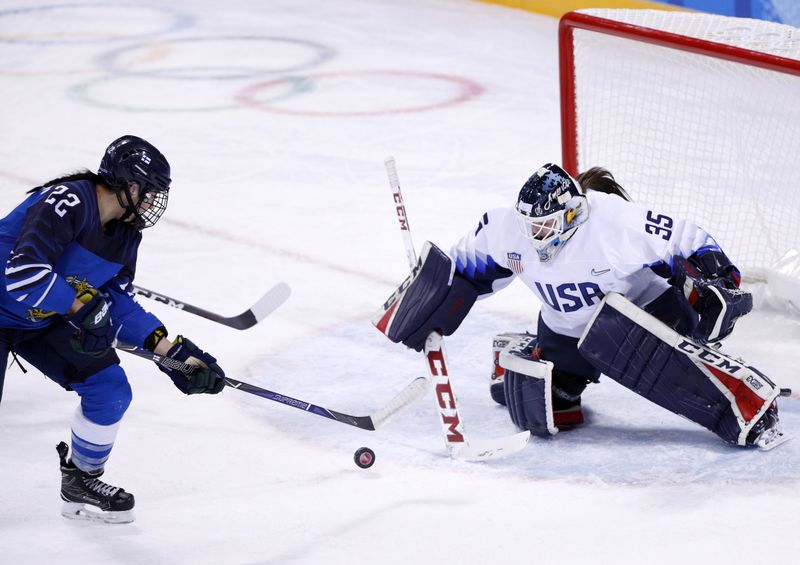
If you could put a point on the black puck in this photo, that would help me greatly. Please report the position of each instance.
(364, 457)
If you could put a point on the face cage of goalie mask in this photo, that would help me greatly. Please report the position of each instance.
(542, 230)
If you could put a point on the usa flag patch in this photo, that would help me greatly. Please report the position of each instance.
(515, 262)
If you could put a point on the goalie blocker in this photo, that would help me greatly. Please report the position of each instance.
(734, 400)
(433, 298)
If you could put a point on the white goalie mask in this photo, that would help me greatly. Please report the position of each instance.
(550, 207)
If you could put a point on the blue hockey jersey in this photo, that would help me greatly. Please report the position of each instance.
(53, 243)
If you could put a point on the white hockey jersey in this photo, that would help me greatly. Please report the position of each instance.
(611, 252)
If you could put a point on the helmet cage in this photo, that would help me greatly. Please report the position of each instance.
(541, 230)
(147, 210)
(549, 209)
(133, 162)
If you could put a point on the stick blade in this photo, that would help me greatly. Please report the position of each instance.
(483, 450)
(265, 306)
(270, 302)
(415, 390)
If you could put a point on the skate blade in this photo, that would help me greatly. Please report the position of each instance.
(79, 511)
(772, 439)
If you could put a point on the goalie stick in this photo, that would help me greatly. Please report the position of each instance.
(267, 304)
(407, 396)
(457, 445)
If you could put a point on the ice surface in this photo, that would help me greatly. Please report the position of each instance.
(276, 117)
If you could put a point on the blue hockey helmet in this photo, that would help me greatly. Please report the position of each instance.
(550, 207)
(130, 161)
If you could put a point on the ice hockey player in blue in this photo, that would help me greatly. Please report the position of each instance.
(65, 300)
(637, 294)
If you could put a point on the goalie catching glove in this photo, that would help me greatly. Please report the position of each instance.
(432, 299)
(208, 378)
(711, 285)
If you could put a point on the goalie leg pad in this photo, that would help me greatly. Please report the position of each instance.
(528, 387)
(497, 377)
(706, 386)
(566, 386)
(426, 301)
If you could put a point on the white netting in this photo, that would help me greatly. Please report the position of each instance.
(757, 35)
(711, 140)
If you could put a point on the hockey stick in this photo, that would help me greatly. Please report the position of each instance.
(410, 393)
(267, 304)
(400, 208)
(452, 424)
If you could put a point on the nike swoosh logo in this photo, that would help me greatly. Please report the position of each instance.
(598, 273)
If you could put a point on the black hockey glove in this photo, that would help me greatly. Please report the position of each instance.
(717, 300)
(206, 379)
(95, 332)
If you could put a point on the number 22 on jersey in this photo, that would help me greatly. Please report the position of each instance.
(68, 200)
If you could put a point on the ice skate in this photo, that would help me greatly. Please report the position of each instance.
(767, 433)
(567, 414)
(86, 497)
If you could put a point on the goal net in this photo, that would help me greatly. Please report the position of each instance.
(694, 114)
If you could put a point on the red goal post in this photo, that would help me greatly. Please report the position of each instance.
(693, 113)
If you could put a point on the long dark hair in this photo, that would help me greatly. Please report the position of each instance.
(83, 174)
(601, 180)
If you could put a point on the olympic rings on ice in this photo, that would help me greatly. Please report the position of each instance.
(403, 85)
(151, 100)
(141, 76)
(167, 67)
(49, 18)
(259, 55)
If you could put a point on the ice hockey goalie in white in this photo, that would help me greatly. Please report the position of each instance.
(572, 241)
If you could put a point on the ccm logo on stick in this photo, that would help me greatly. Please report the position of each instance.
(401, 211)
(445, 396)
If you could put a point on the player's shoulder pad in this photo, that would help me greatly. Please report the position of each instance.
(612, 206)
(66, 195)
(496, 219)
(75, 201)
